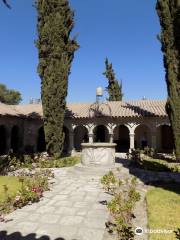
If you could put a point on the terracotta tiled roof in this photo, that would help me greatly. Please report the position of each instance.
(29, 110)
(141, 108)
(7, 109)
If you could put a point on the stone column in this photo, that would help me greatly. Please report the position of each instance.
(111, 137)
(153, 141)
(131, 136)
(91, 135)
(71, 142)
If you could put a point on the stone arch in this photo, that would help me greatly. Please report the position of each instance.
(15, 139)
(142, 136)
(165, 142)
(66, 140)
(41, 143)
(80, 136)
(101, 134)
(121, 138)
(3, 140)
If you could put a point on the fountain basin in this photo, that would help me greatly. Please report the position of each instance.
(98, 154)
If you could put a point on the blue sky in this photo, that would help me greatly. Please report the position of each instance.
(124, 31)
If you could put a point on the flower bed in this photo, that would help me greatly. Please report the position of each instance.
(30, 190)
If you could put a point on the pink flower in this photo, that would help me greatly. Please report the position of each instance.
(34, 190)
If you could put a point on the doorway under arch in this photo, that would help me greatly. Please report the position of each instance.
(101, 134)
(121, 138)
(80, 136)
(165, 140)
(15, 139)
(3, 140)
(142, 136)
(41, 143)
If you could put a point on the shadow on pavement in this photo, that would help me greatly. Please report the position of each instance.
(32, 236)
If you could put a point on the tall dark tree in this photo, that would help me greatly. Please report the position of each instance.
(114, 87)
(169, 15)
(9, 96)
(56, 52)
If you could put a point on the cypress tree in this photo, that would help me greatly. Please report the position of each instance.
(114, 88)
(56, 51)
(169, 15)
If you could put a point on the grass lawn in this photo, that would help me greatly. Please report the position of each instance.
(11, 182)
(163, 205)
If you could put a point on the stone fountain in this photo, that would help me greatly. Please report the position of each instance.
(98, 154)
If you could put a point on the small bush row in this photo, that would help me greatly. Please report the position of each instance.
(121, 206)
(58, 163)
(13, 162)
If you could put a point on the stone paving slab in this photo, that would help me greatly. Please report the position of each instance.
(71, 210)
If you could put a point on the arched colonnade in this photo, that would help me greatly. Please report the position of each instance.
(126, 136)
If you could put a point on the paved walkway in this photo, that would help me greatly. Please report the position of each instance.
(73, 209)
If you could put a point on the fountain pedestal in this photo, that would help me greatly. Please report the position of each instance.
(98, 154)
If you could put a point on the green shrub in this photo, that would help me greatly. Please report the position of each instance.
(121, 205)
(110, 182)
(135, 156)
(58, 163)
(13, 162)
(149, 151)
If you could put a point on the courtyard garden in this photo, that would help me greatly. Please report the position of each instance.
(45, 194)
(24, 179)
